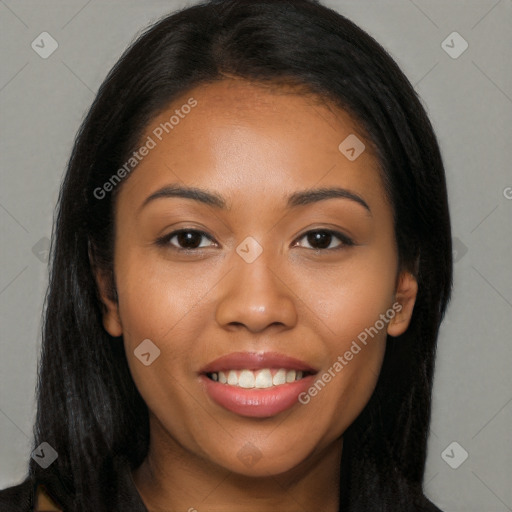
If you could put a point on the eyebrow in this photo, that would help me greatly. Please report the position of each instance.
(296, 199)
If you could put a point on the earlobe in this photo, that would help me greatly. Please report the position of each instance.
(111, 318)
(405, 298)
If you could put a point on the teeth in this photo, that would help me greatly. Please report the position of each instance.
(246, 379)
(260, 379)
(279, 378)
(290, 375)
(263, 379)
(232, 378)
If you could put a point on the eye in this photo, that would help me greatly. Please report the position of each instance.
(185, 239)
(322, 239)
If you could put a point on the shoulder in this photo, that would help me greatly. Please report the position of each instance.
(18, 498)
(50, 491)
(28, 496)
(428, 506)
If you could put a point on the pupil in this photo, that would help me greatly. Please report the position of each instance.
(321, 238)
(186, 236)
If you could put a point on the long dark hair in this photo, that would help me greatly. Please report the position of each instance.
(89, 409)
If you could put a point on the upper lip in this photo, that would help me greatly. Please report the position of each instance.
(256, 361)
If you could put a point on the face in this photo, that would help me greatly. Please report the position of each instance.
(261, 282)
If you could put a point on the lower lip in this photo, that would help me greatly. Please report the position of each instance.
(256, 403)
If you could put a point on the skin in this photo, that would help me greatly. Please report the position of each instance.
(253, 146)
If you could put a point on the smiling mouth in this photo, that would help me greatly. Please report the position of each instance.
(257, 379)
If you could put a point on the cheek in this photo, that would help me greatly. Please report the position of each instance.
(355, 346)
(161, 301)
(168, 308)
(351, 301)
(352, 386)
(351, 297)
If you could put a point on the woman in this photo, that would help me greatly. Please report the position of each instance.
(251, 261)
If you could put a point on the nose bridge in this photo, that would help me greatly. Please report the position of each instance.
(254, 294)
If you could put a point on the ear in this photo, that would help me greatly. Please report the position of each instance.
(110, 307)
(405, 298)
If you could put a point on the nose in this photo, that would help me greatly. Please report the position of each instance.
(256, 296)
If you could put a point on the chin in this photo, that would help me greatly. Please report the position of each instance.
(253, 462)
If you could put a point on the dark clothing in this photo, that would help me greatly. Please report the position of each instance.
(122, 491)
(124, 494)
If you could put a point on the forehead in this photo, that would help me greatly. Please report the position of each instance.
(244, 97)
(271, 103)
(247, 138)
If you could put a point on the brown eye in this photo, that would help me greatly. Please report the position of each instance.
(184, 239)
(321, 239)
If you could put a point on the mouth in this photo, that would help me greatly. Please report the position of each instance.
(258, 385)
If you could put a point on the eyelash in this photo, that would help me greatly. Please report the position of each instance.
(164, 241)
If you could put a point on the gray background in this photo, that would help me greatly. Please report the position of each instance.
(469, 99)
